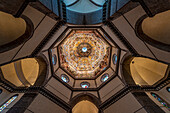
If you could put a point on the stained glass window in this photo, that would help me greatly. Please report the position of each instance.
(168, 89)
(161, 100)
(114, 59)
(64, 78)
(54, 59)
(85, 85)
(3, 106)
(104, 77)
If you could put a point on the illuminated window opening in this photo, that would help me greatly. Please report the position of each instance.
(85, 85)
(168, 89)
(84, 49)
(64, 78)
(54, 59)
(105, 77)
(7, 103)
(163, 102)
(114, 59)
(0, 91)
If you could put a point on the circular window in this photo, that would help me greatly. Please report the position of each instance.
(64, 78)
(84, 49)
(85, 85)
(168, 89)
(105, 77)
(54, 59)
(114, 59)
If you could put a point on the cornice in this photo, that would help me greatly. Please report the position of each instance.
(104, 105)
(121, 38)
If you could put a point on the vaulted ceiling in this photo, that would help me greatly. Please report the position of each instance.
(85, 59)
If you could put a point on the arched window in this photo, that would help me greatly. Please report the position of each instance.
(8, 102)
(163, 102)
(114, 59)
(168, 89)
(85, 85)
(105, 77)
(54, 59)
(64, 78)
(0, 91)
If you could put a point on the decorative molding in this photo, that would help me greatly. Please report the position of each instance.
(22, 39)
(121, 38)
(145, 7)
(40, 89)
(95, 3)
(142, 36)
(103, 106)
(22, 8)
(72, 3)
(47, 38)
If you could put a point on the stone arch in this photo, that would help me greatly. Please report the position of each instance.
(126, 75)
(25, 72)
(43, 70)
(14, 31)
(143, 71)
(85, 106)
(88, 97)
(155, 30)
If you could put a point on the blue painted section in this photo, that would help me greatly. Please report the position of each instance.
(55, 7)
(84, 6)
(99, 2)
(68, 2)
(121, 3)
(112, 7)
(116, 5)
(52, 5)
(47, 3)
(91, 18)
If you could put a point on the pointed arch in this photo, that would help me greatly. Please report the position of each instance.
(82, 98)
(21, 29)
(85, 106)
(155, 30)
(143, 71)
(25, 72)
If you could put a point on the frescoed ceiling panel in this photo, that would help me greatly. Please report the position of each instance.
(84, 53)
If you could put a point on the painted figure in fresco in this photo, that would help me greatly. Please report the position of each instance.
(86, 62)
(63, 60)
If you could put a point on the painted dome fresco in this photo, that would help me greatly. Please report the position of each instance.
(84, 53)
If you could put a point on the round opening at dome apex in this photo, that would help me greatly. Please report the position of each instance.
(84, 49)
